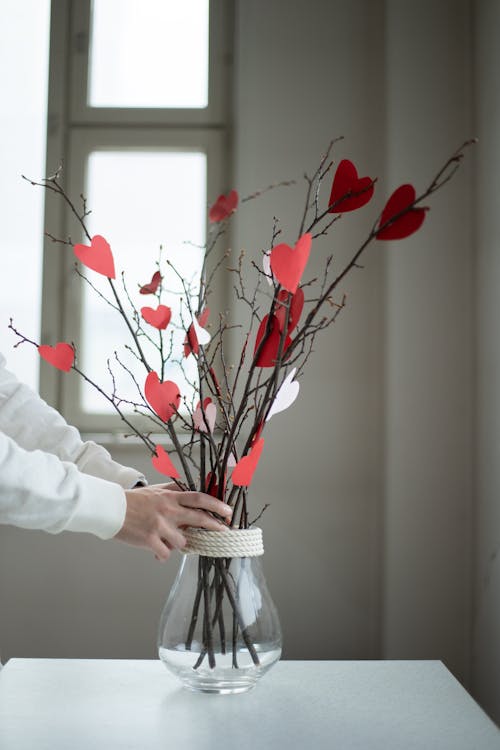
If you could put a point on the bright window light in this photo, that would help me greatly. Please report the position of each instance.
(152, 53)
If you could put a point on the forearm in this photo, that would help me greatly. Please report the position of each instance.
(38, 491)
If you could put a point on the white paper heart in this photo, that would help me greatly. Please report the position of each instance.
(202, 334)
(201, 422)
(231, 461)
(286, 395)
(266, 265)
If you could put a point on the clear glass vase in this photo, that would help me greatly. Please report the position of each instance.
(219, 631)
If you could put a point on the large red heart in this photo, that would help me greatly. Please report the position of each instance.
(159, 318)
(270, 348)
(296, 303)
(223, 206)
(400, 226)
(348, 190)
(288, 264)
(61, 355)
(164, 398)
(97, 256)
(153, 284)
(162, 463)
(191, 341)
(244, 469)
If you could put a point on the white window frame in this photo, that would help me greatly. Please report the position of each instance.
(75, 130)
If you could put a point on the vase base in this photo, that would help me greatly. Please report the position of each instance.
(232, 688)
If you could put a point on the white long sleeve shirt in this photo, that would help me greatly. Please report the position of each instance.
(49, 478)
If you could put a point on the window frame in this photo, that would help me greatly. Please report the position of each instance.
(75, 130)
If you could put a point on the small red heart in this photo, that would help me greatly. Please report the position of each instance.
(288, 264)
(348, 190)
(159, 318)
(223, 206)
(97, 256)
(410, 220)
(61, 355)
(244, 469)
(164, 398)
(162, 463)
(270, 349)
(191, 341)
(296, 305)
(153, 284)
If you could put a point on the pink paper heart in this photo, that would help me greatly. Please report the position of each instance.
(286, 395)
(296, 305)
(61, 355)
(408, 222)
(153, 285)
(244, 470)
(159, 318)
(164, 398)
(270, 349)
(288, 264)
(200, 421)
(97, 256)
(348, 190)
(162, 463)
(223, 207)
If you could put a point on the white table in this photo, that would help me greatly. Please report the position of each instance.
(51, 704)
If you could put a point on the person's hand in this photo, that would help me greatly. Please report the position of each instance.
(157, 513)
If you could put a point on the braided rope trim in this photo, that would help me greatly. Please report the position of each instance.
(229, 543)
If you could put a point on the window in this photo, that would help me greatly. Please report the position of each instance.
(144, 140)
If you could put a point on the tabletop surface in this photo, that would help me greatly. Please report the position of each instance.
(51, 704)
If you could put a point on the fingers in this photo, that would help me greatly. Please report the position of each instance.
(201, 519)
(204, 502)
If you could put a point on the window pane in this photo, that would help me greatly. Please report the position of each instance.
(141, 200)
(152, 53)
(24, 48)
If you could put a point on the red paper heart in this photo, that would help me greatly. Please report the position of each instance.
(159, 318)
(164, 398)
(223, 206)
(211, 486)
(296, 304)
(97, 256)
(410, 220)
(153, 284)
(244, 469)
(348, 190)
(288, 264)
(162, 463)
(61, 355)
(270, 349)
(191, 340)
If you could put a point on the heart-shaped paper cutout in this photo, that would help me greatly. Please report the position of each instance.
(162, 463)
(61, 355)
(348, 190)
(191, 343)
(286, 395)
(288, 264)
(270, 349)
(163, 398)
(266, 267)
(212, 488)
(200, 421)
(405, 224)
(223, 206)
(244, 470)
(153, 285)
(97, 256)
(159, 318)
(296, 302)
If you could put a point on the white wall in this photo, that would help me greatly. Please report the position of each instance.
(370, 474)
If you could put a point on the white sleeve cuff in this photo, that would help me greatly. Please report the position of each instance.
(100, 509)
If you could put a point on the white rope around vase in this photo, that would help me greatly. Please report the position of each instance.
(228, 543)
